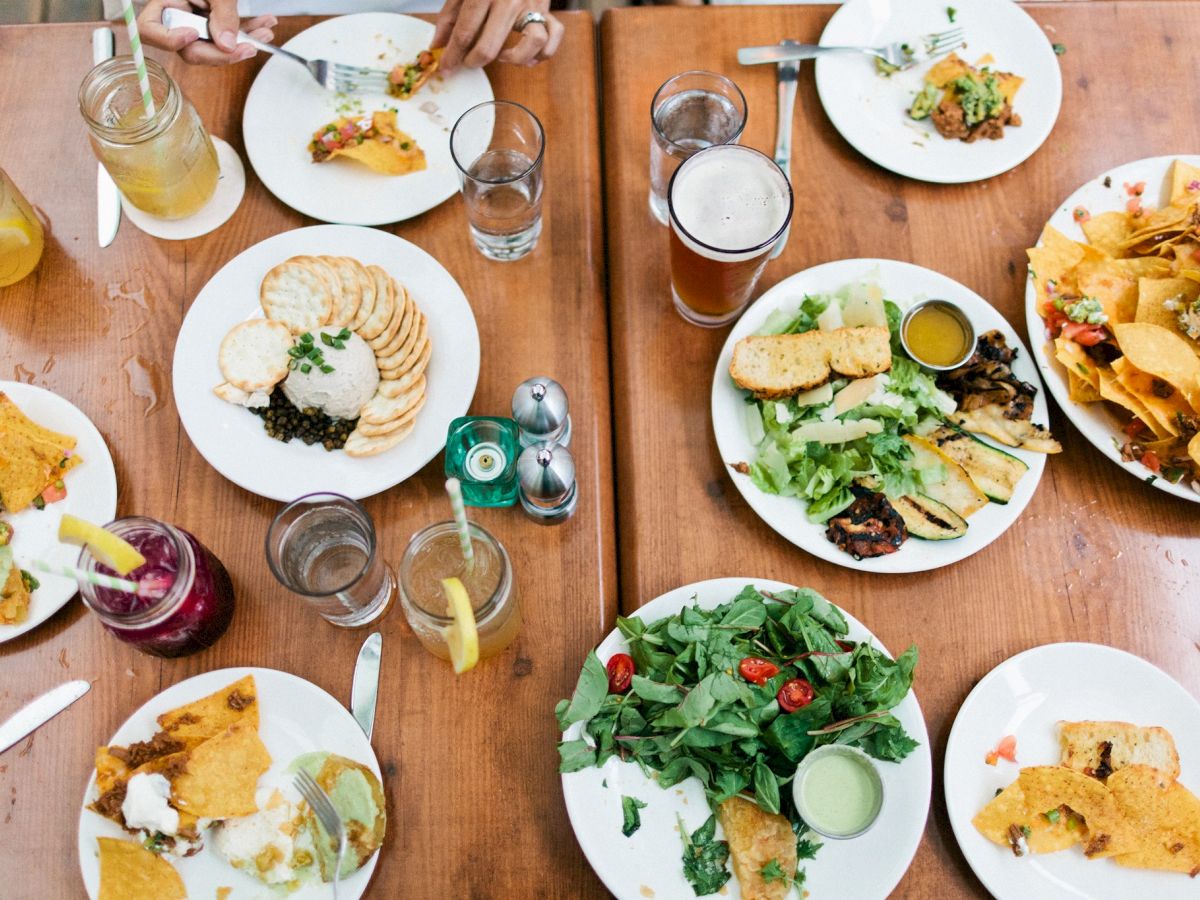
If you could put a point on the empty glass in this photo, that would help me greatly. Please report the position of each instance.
(691, 111)
(497, 147)
(323, 547)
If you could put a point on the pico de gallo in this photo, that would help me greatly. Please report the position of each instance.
(406, 79)
(340, 134)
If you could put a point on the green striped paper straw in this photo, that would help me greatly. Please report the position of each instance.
(139, 58)
(81, 575)
(454, 490)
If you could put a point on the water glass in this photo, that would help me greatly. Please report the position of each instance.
(323, 547)
(691, 111)
(498, 147)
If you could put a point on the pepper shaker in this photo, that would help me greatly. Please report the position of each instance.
(546, 476)
(541, 411)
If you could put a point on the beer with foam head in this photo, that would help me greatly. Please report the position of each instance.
(729, 206)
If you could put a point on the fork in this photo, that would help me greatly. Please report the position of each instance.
(326, 815)
(900, 54)
(332, 76)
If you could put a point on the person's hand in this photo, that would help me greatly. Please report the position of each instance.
(474, 32)
(223, 25)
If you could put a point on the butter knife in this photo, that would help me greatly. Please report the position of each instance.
(108, 198)
(365, 687)
(787, 71)
(40, 711)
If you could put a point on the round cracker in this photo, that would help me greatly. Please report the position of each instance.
(390, 330)
(403, 360)
(326, 272)
(253, 356)
(394, 387)
(366, 288)
(380, 410)
(297, 295)
(351, 298)
(358, 445)
(385, 305)
(368, 430)
(409, 322)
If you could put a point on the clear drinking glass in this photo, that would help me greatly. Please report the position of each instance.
(498, 147)
(323, 547)
(165, 165)
(434, 554)
(729, 206)
(691, 111)
(21, 237)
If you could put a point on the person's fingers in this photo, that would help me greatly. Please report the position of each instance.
(445, 23)
(502, 15)
(266, 35)
(533, 41)
(251, 25)
(467, 25)
(223, 24)
(557, 31)
(155, 34)
(202, 53)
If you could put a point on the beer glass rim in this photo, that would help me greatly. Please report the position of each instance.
(508, 179)
(276, 564)
(731, 251)
(717, 75)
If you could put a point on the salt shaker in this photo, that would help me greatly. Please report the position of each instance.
(541, 411)
(546, 476)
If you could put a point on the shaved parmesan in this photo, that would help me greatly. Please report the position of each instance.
(837, 432)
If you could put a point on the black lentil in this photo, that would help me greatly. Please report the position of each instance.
(283, 421)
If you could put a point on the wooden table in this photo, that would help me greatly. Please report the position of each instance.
(476, 808)
(1097, 556)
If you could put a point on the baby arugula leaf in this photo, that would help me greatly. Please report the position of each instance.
(575, 755)
(704, 858)
(632, 818)
(590, 691)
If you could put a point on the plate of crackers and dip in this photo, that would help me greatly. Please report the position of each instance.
(967, 116)
(362, 158)
(52, 461)
(1071, 770)
(1113, 309)
(325, 358)
(194, 796)
(848, 444)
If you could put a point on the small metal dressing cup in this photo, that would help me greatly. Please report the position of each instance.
(955, 311)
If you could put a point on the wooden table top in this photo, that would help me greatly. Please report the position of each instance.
(471, 768)
(1097, 556)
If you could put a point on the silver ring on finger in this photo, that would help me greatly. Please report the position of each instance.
(533, 17)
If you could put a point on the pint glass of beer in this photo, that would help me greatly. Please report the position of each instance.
(729, 205)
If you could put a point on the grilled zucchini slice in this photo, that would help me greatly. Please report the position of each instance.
(994, 472)
(957, 490)
(990, 420)
(928, 519)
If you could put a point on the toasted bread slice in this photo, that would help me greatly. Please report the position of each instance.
(1101, 748)
(780, 365)
(755, 838)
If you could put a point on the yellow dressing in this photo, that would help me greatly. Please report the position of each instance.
(936, 337)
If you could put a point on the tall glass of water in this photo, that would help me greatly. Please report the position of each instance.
(497, 147)
(691, 111)
(323, 547)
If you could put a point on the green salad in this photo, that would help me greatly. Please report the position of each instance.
(801, 453)
(736, 696)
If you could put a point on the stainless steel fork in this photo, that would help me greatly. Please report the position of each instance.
(332, 76)
(899, 54)
(322, 806)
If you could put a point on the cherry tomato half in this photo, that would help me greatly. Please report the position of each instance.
(757, 670)
(620, 673)
(795, 694)
(1135, 427)
(1150, 461)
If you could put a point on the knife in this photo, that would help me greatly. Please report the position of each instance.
(108, 198)
(40, 711)
(365, 687)
(786, 72)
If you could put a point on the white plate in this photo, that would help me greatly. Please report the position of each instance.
(653, 857)
(233, 440)
(295, 717)
(91, 495)
(1100, 423)
(285, 106)
(902, 283)
(1025, 696)
(871, 111)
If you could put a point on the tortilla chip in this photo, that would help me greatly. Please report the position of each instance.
(1163, 814)
(1076, 361)
(1144, 388)
(129, 871)
(1154, 292)
(1193, 448)
(1008, 808)
(1187, 259)
(947, 70)
(31, 457)
(1081, 391)
(1185, 182)
(391, 153)
(1164, 354)
(221, 775)
(1107, 282)
(1094, 747)
(1113, 391)
(1107, 231)
(1049, 787)
(1008, 85)
(195, 722)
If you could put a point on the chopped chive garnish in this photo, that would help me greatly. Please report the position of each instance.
(339, 345)
(326, 339)
(295, 352)
(326, 369)
(305, 368)
(344, 334)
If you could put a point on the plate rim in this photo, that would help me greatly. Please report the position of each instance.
(828, 552)
(730, 584)
(1034, 325)
(872, 153)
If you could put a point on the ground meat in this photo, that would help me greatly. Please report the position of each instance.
(185, 719)
(950, 121)
(175, 766)
(1105, 768)
(142, 752)
(239, 701)
(1016, 840)
(1161, 388)
(743, 468)
(110, 802)
(1098, 844)
(869, 527)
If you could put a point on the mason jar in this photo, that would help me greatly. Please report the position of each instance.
(164, 164)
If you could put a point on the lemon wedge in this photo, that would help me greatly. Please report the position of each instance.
(461, 637)
(15, 234)
(118, 555)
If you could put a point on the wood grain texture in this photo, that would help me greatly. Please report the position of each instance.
(1097, 556)
(474, 798)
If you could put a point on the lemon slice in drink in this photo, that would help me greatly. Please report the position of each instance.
(461, 637)
(118, 555)
(15, 235)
